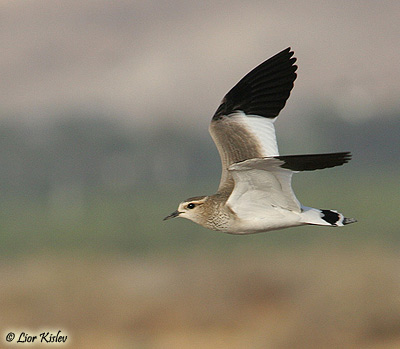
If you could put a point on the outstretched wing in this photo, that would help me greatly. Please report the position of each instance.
(259, 185)
(242, 127)
(264, 183)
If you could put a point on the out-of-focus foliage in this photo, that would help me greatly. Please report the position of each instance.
(85, 154)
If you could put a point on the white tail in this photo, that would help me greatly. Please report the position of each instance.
(324, 217)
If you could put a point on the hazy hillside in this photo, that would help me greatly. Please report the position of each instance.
(146, 61)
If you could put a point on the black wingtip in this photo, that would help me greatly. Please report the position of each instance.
(286, 50)
(311, 162)
(264, 90)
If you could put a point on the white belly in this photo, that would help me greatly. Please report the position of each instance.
(276, 219)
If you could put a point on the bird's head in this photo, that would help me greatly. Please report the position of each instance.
(192, 208)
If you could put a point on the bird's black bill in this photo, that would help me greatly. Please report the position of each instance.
(172, 215)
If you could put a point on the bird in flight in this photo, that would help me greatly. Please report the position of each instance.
(255, 193)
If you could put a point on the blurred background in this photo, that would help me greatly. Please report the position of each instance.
(103, 131)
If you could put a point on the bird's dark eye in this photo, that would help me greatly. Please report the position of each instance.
(191, 205)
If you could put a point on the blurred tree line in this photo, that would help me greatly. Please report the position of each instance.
(79, 153)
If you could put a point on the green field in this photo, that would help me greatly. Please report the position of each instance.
(131, 222)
